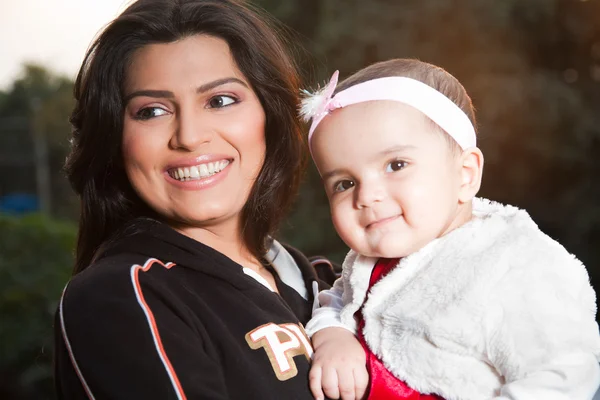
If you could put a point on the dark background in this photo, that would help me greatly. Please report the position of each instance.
(532, 68)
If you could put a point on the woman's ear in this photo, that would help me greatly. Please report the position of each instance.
(471, 170)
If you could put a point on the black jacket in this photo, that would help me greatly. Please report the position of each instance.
(162, 316)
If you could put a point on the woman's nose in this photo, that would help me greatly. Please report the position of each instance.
(191, 131)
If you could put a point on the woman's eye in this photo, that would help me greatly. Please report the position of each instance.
(395, 166)
(221, 101)
(342, 186)
(150, 112)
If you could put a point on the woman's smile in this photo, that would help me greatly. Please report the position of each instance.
(196, 172)
(198, 177)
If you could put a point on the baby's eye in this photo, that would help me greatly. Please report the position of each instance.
(396, 165)
(221, 101)
(342, 186)
(150, 112)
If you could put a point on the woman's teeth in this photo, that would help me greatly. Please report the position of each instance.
(198, 171)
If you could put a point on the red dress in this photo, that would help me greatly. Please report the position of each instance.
(383, 384)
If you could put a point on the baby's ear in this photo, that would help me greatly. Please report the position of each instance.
(471, 169)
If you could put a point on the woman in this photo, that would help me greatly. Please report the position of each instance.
(186, 152)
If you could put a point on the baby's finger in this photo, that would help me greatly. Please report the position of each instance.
(346, 384)
(314, 381)
(330, 383)
(361, 383)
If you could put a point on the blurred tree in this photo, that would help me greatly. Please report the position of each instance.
(37, 102)
(36, 82)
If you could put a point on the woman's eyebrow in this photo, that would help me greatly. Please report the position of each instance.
(211, 85)
(159, 94)
(169, 95)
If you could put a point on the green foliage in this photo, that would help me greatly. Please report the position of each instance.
(3, 96)
(35, 263)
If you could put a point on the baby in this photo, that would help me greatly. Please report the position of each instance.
(451, 296)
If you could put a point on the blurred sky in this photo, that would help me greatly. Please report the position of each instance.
(55, 33)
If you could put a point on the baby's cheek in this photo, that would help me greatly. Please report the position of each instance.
(417, 204)
(344, 226)
(338, 221)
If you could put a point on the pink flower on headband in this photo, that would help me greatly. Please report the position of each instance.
(317, 105)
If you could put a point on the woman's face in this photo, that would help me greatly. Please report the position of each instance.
(193, 134)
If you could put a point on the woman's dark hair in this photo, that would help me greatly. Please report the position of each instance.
(95, 167)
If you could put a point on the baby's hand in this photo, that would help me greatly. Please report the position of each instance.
(339, 365)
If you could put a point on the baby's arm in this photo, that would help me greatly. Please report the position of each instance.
(543, 337)
(339, 363)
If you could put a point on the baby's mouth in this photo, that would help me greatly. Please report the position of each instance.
(382, 221)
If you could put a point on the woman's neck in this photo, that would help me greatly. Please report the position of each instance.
(224, 238)
(227, 240)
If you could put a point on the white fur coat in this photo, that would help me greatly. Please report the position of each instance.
(493, 310)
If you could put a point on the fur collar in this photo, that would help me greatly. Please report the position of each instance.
(432, 319)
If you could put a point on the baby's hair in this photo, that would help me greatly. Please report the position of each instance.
(429, 74)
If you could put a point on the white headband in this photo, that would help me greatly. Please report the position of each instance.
(422, 97)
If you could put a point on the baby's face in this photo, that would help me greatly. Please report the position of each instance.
(392, 181)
